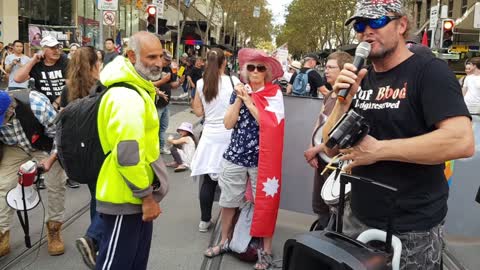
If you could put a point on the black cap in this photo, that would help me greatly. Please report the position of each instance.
(312, 56)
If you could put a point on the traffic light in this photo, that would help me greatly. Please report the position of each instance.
(447, 33)
(152, 18)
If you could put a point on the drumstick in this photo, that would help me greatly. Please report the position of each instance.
(329, 165)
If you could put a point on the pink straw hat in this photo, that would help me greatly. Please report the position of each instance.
(248, 55)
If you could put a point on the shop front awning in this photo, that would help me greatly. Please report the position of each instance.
(466, 23)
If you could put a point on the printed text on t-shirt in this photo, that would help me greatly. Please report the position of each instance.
(386, 98)
(54, 82)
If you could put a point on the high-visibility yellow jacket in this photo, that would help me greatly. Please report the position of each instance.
(128, 129)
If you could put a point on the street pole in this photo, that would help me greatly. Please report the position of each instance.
(234, 45)
(100, 42)
(178, 33)
(224, 27)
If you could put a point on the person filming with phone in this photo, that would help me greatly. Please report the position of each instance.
(13, 63)
(418, 120)
(49, 69)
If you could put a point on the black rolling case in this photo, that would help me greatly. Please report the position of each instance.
(331, 250)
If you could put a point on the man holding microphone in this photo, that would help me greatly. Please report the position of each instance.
(418, 120)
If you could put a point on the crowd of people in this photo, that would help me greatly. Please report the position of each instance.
(412, 133)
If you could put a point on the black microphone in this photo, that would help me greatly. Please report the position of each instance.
(361, 53)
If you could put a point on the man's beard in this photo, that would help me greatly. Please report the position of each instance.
(148, 73)
(383, 53)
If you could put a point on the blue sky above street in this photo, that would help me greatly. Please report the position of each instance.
(278, 10)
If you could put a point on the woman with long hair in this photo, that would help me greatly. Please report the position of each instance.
(255, 150)
(101, 55)
(83, 75)
(211, 101)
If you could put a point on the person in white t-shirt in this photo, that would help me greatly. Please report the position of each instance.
(471, 86)
(211, 101)
(13, 62)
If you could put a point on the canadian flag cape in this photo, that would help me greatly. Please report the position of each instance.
(269, 103)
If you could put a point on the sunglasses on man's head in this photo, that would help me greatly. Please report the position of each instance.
(360, 25)
(260, 68)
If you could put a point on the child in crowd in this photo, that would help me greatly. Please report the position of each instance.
(183, 148)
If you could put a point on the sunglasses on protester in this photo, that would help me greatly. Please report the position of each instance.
(360, 25)
(260, 68)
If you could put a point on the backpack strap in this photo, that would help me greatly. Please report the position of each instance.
(231, 81)
(122, 84)
(101, 89)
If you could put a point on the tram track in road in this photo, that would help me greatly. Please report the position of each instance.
(216, 262)
(15, 262)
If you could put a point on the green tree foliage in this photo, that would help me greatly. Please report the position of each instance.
(257, 30)
(314, 25)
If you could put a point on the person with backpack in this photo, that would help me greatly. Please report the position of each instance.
(308, 82)
(83, 76)
(26, 132)
(211, 101)
(132, 179)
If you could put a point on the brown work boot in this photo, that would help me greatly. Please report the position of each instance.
(55, 241)
(4, 243)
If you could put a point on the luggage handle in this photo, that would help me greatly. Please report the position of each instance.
(348, 178)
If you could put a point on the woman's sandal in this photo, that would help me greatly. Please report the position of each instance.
(172, 164)
(265, 260)
(216, 250)
(181, 168)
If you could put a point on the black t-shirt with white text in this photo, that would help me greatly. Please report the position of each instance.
(49, 80)
(314, 79)
(404, 102)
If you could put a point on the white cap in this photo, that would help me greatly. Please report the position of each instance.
(49, 41)
(186, 126)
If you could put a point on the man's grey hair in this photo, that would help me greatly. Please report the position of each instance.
(135, 46)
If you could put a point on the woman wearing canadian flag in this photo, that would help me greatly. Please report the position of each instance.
(256, 115)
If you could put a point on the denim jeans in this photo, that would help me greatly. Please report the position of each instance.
(96, 228)
(163, 116)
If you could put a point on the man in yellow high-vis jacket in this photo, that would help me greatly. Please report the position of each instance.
(128, 129)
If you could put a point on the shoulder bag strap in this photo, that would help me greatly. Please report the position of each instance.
(231, 81)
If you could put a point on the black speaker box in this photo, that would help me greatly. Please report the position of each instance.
(332, 250)
(326, 250)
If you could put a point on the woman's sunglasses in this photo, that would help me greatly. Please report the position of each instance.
(260, 68)
(360, 25)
